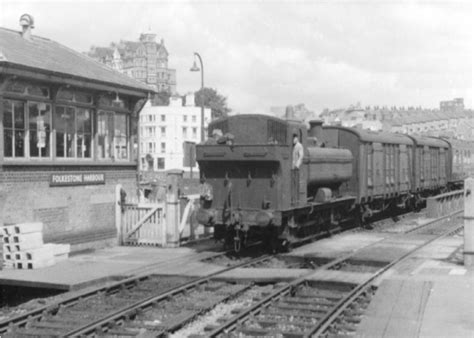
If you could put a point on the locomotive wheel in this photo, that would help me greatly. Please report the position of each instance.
(270, 239)
(229, 238)
(285, 246)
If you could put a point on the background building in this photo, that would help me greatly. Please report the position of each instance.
(164, 129)
(144, 60)
(450, 120)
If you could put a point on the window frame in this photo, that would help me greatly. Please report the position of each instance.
(40, 94)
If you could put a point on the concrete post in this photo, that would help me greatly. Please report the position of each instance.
(469, 223)
(118, 215)
(173, 190)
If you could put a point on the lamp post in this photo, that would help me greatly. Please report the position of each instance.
(195, 68)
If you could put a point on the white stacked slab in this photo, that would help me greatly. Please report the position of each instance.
(23, 247)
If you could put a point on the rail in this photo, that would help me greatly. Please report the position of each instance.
(324, 320)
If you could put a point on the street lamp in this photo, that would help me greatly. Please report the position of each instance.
(195, 68)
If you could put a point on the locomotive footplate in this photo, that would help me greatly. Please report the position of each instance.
(303, 223)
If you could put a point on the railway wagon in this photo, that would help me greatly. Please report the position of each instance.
(383, 168)
(462, 159)
(431, 160)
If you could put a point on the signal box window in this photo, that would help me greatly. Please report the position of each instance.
(73, 132)
(65, 125)
(83, 133)
(112, 131)
(40, 129)
(14, 125)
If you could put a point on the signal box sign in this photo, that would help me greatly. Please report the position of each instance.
(73, 179)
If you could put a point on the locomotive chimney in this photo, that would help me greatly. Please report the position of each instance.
(315, 129)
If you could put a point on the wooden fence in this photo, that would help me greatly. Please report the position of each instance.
(144, 223)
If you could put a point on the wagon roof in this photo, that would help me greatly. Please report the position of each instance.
(430, 141)
(254, 116)
(374, 136)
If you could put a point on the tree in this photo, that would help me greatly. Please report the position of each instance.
(161, 99)
(213, 100)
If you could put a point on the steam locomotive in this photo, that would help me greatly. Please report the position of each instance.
(248, 186)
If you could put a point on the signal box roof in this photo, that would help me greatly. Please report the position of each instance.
(46, 56)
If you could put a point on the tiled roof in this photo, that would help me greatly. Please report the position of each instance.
(48, 55)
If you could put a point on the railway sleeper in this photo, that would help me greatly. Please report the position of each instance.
(275, 323)
(54, 325)
(301, 308)
(352, 319)
(347, 327)
(268, 333)
(59, 320)
(353, 312)
(31, 332)
(289, 313)
(321, 294)
(301, 300)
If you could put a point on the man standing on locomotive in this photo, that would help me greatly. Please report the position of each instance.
(298, 154)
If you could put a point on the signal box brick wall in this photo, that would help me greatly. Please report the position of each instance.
(71, 214)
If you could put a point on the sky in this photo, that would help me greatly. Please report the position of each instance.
(262, 54)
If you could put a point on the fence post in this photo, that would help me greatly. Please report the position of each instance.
(173, 181)
(3, 198)
(469, 222)
(118, 214)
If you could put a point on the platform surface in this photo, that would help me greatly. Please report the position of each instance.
(99, 266)
(429, 295)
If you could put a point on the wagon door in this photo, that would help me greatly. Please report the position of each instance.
(370, 170)
(427, 167)
(403, 169)
(379, 182)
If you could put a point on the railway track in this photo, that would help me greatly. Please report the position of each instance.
(102, 305)
(152, 305)
(306, 307)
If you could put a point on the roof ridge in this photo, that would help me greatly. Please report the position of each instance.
(19, 33)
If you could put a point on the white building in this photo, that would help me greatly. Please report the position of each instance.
(164, 129)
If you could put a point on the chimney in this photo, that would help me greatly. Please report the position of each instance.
(27, 23)
(290, 113)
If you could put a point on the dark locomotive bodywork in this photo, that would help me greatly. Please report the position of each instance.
(346, 174)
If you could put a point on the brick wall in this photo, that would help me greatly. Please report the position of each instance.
(69, 213)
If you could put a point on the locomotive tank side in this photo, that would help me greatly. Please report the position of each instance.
(328, 167)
